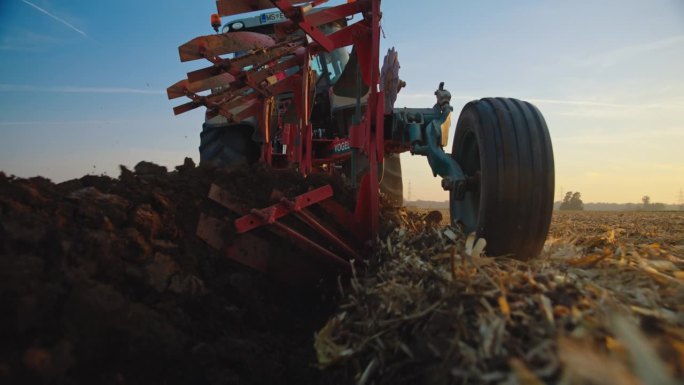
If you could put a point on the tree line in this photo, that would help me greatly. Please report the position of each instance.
(572, 201)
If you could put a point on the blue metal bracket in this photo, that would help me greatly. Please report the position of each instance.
(422, 128)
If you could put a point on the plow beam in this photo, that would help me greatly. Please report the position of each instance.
(335, 250)
(296, 15)
(269, 215)
(255, 58)
(214, 45)
(184, 87)
(252, 251)
(236, 82)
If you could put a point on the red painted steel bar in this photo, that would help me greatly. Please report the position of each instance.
(220, 44)
(271, 214)
(334, 238)
(344, 217)
(183, 87)
(313, 246)
(252, 221)
(296, 14)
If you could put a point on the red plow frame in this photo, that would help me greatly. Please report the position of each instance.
(247, 86)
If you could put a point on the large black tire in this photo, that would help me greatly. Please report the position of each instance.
(227, 145)
(392, 184)
(505, 145)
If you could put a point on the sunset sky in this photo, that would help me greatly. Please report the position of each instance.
(82, 83)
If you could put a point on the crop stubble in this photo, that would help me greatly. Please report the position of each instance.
(604, 304)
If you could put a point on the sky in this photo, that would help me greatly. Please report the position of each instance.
(82, 84)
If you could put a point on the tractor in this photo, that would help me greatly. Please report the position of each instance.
(298, 85)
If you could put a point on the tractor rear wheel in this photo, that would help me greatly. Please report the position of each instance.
(504, 146)
(228, 144)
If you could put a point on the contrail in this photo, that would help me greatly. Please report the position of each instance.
(56, 18)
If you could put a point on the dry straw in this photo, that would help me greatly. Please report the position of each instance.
(603, 305)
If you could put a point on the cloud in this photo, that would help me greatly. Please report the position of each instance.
(665, 166)
(565, 102)
(5, 47)
(76, 89)
(75, 122)
(589, 103)
(610, 58)
(66, 23)
(609, 138)
(27, 40)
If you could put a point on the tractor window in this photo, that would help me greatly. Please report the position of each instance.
(333, 63)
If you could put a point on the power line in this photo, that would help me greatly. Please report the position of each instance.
(681, 200)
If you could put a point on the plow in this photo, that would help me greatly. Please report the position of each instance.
(299, 86)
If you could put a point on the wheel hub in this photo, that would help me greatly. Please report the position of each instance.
(461, 186)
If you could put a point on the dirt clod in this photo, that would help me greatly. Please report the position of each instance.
(104, 281)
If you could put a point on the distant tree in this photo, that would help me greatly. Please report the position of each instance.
(576, 201)
(657, 206)
(572, 201)
(646, 201)
(566, 199)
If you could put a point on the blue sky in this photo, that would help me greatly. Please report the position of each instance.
(82, 83)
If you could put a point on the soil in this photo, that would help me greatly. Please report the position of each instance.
(103, 281)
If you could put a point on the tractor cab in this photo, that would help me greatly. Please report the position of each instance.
(332, 111)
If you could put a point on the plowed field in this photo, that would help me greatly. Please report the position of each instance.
(104, 281)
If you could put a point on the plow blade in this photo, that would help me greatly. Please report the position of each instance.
(254, 59)
(293, 224)
(184, 87)
(233, 84)
(264, 66)
(214, 45)
(254, 251)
